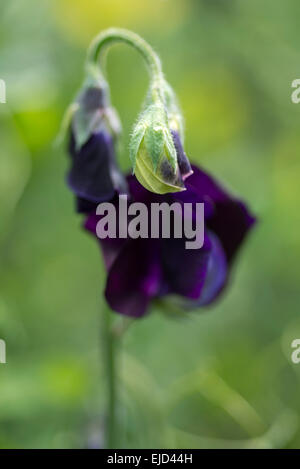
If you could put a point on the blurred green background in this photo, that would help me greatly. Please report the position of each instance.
(223, 377)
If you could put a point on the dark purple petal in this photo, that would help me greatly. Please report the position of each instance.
(217, 273)
(110, 246)
(191, 196)
(93, 98)
(206, 186)
(94, 175)
(134, 278)
(140, 194)
(85, 206)
(182, 160)
(142, 269)
(185, 269)
(91, 223)
(230, 219)
(231, 223)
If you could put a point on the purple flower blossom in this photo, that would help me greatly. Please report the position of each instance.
(94, 175)
(140, 270)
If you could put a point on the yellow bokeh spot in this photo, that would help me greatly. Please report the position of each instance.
(83, 19)
(65, 381)
(222, 109)
(38, 127)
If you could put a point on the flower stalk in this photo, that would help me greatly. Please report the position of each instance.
(116, 35)
(110, 345)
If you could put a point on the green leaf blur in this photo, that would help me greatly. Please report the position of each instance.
(224, 376)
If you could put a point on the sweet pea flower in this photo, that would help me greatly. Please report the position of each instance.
(142, 270)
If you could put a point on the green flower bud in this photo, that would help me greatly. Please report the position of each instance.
(153, 153)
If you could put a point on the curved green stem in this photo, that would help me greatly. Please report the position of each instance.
(115, 35)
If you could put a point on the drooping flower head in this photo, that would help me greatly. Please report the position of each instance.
(158, 159)
(94, 175)
(140, 270)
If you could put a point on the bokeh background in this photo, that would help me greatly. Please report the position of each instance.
(221, 377)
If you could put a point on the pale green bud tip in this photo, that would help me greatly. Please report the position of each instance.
(163, 179)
